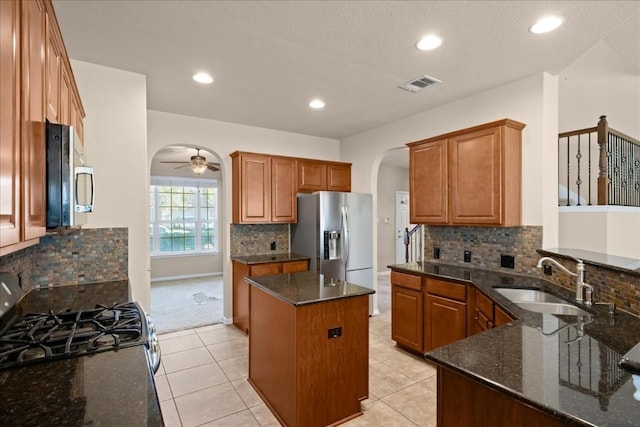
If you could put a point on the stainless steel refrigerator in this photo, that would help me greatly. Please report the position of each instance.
(335, 230)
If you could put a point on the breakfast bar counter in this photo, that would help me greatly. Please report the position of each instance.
(309, 347)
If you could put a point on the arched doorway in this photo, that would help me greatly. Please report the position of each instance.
(185, 243)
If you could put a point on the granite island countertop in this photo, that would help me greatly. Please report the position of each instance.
(104, 389)
(541, 359)
(265, 258)
(306, 287)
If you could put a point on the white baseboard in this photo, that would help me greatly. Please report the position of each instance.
(188, 276)
(384, 273)
(227, 320)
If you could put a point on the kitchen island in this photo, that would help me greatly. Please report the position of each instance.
(538, 370)
(309, 347)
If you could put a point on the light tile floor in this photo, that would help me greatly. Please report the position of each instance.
(202, 380)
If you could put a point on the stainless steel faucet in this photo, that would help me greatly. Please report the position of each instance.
(584, 291)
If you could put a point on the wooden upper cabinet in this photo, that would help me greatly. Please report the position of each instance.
(64, 109)
(312, 175)
(10, 178)
(33, 120)
(318, 175)
(284, 206)
(428, 182)
(53, 59)
(339, 177)
(77, 115)
(264, 189)
(469, 177)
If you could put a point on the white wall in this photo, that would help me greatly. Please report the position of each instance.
(115, 136)
(524, 100)
(222, 139)
(611, 230)
(390, 180)
(173, 267)
(600, 82)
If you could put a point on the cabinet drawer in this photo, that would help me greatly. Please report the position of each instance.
(484, 304)
(406, 280)
(295, 266)
(265, 269)
(451, 290)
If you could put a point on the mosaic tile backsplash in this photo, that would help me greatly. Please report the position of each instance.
(486, 245)
(80, 256)
(609, 285)
(256, 239)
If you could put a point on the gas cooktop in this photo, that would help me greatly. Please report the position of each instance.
(37, 337)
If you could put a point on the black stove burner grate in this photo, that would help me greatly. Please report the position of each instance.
(44, 336)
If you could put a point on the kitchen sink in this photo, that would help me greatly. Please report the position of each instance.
(541, 302)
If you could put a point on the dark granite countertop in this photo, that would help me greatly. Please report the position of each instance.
(104, 389)
(276, 257)
(307, 287)
(613, 262)
(540, 359)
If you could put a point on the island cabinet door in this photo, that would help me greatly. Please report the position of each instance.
(445, 321)
(406, 317)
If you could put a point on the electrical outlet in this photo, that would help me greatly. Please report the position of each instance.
(436, 253)
(467, 256)
(335, 332)
(547, 269)
(507, 261)
(273, 246)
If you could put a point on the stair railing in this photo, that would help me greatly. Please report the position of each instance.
(618, 160)
(412, 239)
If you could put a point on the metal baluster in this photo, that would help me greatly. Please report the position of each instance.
(589, 172)
(568, 174)
(578, 180)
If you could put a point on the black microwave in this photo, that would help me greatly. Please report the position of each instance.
(70, 182)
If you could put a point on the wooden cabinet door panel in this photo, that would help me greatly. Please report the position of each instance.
(428, 186)
(54, 65)
(502, 317)
(312, 175)
(256, 188)
(445, 321)
(406, 317)
(475, 177)
(10, 118)
(33, 120)
(240, 297)
(265, 269)
(283, 190)
(64, 111)
(295, 266)
(338, 177)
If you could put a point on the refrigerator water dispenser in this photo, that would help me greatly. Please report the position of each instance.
(331, 244)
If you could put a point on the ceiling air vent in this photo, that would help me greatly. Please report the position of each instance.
(416, 85)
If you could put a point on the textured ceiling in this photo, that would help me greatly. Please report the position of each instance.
(270, 58)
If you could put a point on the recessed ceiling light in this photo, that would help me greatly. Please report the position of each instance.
(203, 78)
(429, 42)
(316, 104)
(546, 24)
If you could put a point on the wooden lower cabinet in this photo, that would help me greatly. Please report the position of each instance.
(306, 378)
(445, 321)
(464, 402)
(427, 313)
(241, 304)
(406, 317)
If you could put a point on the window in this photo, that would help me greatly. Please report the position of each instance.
(183, 215)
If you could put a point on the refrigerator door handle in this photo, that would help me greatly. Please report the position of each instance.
(345, 235)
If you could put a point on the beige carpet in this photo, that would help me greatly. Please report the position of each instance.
(187, 303)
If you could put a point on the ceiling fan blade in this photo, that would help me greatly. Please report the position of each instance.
(183, 166)
(163, 161)
(215, 167)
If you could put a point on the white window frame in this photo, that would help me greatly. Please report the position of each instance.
(197, 183)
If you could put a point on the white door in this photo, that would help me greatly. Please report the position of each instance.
(402, 222)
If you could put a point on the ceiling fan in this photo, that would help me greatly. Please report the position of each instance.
(198, 164)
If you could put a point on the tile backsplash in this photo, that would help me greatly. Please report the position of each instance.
(486, 244)
(256, 239)
(80, 256)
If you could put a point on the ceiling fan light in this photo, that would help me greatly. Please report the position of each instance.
(198, 166)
